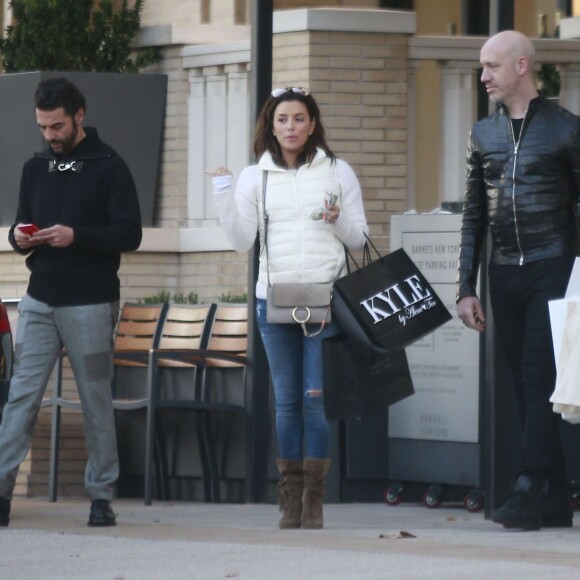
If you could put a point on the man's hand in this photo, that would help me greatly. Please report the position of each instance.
(471, 313)
(56, 236)
(24, 241)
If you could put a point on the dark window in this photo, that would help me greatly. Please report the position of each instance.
(476, 17)
(397, 4)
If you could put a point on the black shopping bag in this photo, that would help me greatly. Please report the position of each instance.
(386, 304)
(358, 383)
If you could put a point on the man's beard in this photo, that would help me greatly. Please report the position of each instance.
(66, 144)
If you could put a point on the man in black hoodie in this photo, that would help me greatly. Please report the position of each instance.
(78, 210)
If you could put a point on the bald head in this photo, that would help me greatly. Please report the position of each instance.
(507, 59)
(514, 45)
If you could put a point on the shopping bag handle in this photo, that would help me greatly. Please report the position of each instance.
(366, 255)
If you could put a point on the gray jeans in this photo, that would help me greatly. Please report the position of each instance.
(87, 334)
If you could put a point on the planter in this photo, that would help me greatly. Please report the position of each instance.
(128, 110)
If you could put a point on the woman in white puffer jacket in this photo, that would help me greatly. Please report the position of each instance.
(314, 208)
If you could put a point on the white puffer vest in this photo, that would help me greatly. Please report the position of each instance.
(300, 249)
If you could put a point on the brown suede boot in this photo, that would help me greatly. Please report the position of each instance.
(315, 471)
(290, 492)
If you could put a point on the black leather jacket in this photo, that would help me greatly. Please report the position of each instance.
(526, 189)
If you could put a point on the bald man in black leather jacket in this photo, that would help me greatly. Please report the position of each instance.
(523, 185)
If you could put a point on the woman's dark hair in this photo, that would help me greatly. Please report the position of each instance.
(264, 139)
(59, 92)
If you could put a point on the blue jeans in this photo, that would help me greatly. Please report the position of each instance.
(296, 367)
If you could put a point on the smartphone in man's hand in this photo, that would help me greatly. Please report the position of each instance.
(28, 229)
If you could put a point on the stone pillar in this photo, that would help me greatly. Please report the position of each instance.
(570, 87)
(355, 62)
(196, 148)
(218, 112)
(458, 113)
(411, 134)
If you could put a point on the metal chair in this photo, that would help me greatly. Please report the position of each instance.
(183, 338)
(223, 349)
(226, 359)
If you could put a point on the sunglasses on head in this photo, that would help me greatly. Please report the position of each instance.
(277, 93)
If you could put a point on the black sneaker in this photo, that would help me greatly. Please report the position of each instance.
(522, 510)
(4, 512)
(556, 506)
(101, 513)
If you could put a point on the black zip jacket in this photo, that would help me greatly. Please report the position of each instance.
(92, 191)
(525, 188)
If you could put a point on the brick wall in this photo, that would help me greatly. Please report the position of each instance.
(360, 83)
(171, 202)
(209, 274)
(33, 476)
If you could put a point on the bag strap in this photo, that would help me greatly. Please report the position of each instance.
(366, 255)
(315, 332)
(266, 219)
(370, 243)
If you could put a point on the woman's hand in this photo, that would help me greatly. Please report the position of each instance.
(221, 179)
(330, 213)
(219, 171)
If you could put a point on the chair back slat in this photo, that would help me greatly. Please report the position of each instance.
(229, 333)
(186, 327)
(182, 330)
(142, 312)
(232, 312)
(188, 312)
(229, 328)
(145, 330)
(138, 329)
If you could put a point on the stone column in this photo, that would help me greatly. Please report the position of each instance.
(570, 87)
(411, 134)
(218, 111)
(458, 113)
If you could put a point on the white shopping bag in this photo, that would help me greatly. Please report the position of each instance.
(565, 322)
(573, 289)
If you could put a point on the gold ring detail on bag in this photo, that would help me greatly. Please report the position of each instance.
(299, 320)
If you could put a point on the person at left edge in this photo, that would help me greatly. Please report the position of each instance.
(82, 196)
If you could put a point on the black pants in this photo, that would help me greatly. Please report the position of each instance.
(519, 300)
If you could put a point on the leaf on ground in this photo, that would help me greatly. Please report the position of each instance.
(402, 535)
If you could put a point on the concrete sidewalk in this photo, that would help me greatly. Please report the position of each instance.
(207, 541)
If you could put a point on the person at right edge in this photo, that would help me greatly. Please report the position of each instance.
(306, 231)
(523, 183)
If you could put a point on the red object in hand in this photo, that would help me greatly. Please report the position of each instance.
(28, 229)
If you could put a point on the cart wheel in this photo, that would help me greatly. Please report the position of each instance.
(433, 496)
(473, 501)
(394, 494)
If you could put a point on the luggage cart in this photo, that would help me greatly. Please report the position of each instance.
(434, 450)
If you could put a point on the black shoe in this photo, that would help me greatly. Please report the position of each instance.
(556, 506)
(101, 513)
(522, 510)
(4, 512)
